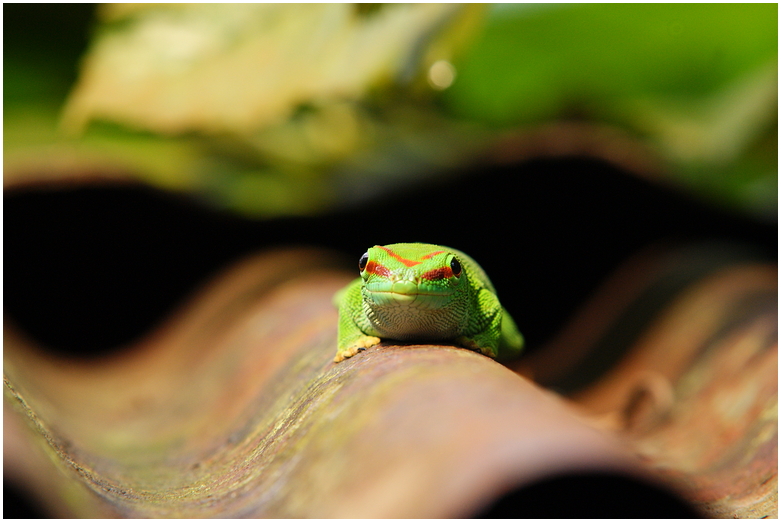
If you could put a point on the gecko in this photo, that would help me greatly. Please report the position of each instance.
(420, 291)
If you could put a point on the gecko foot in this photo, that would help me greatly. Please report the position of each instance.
(358, 346)
(473, 345)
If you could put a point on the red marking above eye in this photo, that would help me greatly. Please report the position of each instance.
(432, 254)
(438, 273)
(394, 255)
(376, 268)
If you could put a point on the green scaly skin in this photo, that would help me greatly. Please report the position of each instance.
(422, 292)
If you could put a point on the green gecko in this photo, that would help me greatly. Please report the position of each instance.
(417, 291)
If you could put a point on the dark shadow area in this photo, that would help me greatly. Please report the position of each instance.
(17, 503)
(590, 495)
(90, 269)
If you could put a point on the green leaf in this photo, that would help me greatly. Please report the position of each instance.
(697, 82)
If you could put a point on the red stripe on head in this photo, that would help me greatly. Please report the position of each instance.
(438, 273)
(432, 254)
(394, 255)
(376, 268)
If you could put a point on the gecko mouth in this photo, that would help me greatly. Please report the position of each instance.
(403, 292)
(403, 287)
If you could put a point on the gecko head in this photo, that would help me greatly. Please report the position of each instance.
(411, 274)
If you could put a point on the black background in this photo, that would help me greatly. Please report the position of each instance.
(89, 269)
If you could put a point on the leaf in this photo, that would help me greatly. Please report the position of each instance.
(238, 68)
(678, 353)
(695, 82)
(234, 408)
(537, 62)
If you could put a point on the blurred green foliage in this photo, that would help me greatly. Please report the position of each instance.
(697, 81)
(539, 61)
(362, 111)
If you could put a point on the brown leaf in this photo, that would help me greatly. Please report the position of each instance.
(236, 409)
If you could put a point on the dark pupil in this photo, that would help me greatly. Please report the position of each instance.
(362, 261)
(455, 266)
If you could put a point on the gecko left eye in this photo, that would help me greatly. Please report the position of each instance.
(455, 267)
(363, 261)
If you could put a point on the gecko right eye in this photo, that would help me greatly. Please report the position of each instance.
(455, 267)
(363, 261)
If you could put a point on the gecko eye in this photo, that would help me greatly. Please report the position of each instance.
(363, 261)
(455, 267)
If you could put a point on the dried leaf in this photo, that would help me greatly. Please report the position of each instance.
(237, 68)
(235, 409)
